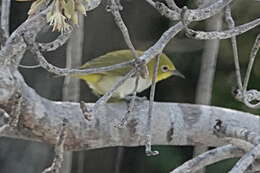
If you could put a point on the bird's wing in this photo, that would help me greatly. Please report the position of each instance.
(115, 57)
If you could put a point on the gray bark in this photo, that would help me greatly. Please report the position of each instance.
(172, 123)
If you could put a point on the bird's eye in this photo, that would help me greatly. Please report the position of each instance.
(165, 68)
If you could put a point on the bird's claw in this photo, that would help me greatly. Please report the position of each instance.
(139, 99)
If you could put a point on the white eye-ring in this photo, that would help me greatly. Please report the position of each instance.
(164, 68)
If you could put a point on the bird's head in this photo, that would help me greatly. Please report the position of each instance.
(165, 70)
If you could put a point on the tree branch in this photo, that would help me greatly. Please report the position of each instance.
(40, 120)
(231, 24)
(15, 45)
(252, 56)
(35, 118)
(58, 42)
(246, 160)
(209, 157)
(201, 35)
(114, 8)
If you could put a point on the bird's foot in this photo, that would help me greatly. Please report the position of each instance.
(130, 100)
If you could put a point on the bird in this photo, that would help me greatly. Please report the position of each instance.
(102, 82)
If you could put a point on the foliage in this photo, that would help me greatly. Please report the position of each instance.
(63, 13)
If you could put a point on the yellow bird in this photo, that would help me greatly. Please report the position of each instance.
(102, 82)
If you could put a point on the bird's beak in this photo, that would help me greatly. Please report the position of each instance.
(177, 73)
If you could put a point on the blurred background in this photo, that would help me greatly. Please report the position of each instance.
(101, 35)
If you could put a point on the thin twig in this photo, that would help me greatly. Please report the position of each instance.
(65, 71)
(109, 94)
(244, 134)
(148, 149)
(246, 160)
(201, 35)
(58, 42)
(242, 144)
(114, 8)
(131, 105)
(252, 56)
(29, 66)
(231, 24)
(172, 14)
(191, 15)
(208, 11)
(248, 96)
(209, 157)
(161, 43)
(89, 112)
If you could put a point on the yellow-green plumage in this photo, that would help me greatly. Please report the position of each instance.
(100, 83)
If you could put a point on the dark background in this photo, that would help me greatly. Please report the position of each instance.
(145, 25)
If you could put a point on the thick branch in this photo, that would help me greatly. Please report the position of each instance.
(176, 124)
